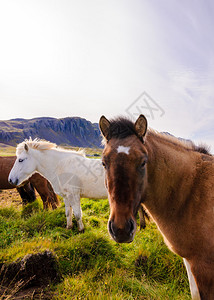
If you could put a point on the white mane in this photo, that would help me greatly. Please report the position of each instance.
(42, 145)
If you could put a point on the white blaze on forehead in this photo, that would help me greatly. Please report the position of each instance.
(122, 149)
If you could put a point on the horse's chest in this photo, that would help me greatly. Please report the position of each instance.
(173, 240)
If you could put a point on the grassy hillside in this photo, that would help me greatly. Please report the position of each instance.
(6, 150)
(93, 266)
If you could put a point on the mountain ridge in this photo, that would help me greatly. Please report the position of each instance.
(73, 131)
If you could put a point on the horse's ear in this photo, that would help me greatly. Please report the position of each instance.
(141, 126)
(26, 147)
(104, 126)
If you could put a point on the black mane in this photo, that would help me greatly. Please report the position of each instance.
(121, 128)
(202, 149)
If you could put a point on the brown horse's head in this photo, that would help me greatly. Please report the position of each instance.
(124, 159)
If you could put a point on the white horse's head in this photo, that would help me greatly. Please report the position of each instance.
(24, 166)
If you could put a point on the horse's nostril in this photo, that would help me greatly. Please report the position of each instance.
(132, 227)
(110, 226)
(124, 234)
(13, 182)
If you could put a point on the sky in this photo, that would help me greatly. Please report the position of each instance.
(61, 58)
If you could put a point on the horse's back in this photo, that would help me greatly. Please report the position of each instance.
(83, 176)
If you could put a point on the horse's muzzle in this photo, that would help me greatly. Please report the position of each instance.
(13, 182)
(122, 235)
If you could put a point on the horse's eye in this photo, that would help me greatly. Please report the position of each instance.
(104, 165)
(21, 160)
(143, 164)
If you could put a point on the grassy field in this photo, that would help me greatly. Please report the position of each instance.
(92, 265)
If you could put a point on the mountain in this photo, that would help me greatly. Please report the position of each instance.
(74, 131)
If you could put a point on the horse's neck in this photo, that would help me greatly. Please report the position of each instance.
(171, 174)
(48, 163)
(53, 163)
(169, 167)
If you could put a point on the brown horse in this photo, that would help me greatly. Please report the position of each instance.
(174, 181)
(26, 191)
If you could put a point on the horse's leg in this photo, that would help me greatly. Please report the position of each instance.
(27, 193)
(142, 217)
(193, 286)
(23, 195)
(75, 202)
(44, 198)
(68, 212)
(47, 194)
(52, 199)
(45, 190)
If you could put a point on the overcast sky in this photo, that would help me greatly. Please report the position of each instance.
(88, 58)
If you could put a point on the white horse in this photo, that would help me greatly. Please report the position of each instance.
(71, 174)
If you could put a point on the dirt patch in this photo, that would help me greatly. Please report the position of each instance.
(29, 276)
(10, 198)
(33, 293)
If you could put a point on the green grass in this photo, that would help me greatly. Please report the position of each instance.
(93, 265)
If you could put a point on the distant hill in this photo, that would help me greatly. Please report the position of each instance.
(74, 131)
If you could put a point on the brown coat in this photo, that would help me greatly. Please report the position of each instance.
(42, 186)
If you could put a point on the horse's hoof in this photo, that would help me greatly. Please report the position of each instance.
(69, 226)
(81, 230)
